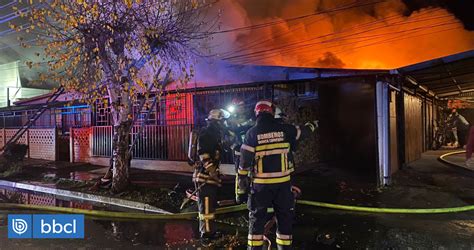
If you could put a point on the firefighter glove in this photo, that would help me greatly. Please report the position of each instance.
(312, 125)
(241, 198)
(241, 192)
(210, 167)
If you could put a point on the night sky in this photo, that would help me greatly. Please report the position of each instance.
(462, 9)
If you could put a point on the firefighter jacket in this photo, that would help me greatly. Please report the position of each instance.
(209, 149)
(238, 126)
(266, 154)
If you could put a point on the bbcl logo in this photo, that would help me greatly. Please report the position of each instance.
(19, 226)
(57, 228)
(41, 226)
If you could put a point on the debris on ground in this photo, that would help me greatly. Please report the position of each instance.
(163, 198)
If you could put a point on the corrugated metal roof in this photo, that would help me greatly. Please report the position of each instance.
(447, 76)
(219, 73)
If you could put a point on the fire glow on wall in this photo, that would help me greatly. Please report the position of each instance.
(179, 109)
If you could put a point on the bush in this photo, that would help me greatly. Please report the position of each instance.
(15, 152)
(14, 169)
(308, 148)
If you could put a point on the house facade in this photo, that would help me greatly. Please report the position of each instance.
(372, 122)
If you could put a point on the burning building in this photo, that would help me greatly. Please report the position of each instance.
(317, 59)
(372, 122)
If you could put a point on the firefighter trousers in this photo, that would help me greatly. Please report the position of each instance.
(280, 197)
(207, 203)
(237, 157)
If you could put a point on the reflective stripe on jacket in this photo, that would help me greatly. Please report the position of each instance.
(266, 153)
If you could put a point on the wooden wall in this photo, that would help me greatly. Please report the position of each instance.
(394, 161)
(413, 128)
(348, 134)
(428, 120)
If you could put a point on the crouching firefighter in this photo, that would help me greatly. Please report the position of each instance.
(264, 173)
(206, 174)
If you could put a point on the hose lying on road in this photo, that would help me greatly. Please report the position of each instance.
(231, 209)
(388, 210)
(442, 157)
(120, 215)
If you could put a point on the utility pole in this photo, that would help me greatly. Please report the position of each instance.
(8, 97)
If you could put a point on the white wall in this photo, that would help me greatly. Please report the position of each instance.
(10, 79)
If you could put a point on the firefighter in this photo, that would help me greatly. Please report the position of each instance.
(280, 116)
(265, 171)
(238, 124)
(206, 175)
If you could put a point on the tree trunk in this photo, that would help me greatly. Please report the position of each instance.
(120, 157)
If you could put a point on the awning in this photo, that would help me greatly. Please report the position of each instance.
(447, 77)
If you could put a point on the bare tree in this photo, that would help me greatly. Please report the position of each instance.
(121, 49)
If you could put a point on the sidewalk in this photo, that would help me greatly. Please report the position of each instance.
(427, 177)
(426, 183)
(155, 189)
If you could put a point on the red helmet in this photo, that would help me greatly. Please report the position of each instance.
(237, 102)
(264, 106)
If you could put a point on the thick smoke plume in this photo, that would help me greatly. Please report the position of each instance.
(347, 33)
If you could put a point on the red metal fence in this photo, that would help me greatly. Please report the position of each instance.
(157, 142)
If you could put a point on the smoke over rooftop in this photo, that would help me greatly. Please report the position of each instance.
(343, 33)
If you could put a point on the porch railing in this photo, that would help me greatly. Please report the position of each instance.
(157, 142)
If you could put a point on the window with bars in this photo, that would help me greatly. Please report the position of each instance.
(176, 109)
(141, 114)
(170, 109)
(102, 112)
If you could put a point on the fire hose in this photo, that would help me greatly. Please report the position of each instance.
(236, 208)
(242, 207)
(442, 157)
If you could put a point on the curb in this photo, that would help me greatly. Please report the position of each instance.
(84, 197)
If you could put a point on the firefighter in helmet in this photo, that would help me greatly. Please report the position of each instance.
(265, 171)
(206, 175)
(238, 124)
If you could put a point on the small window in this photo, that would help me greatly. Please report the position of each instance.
(301, 89)
(307, 89)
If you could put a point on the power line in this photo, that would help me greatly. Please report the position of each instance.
(349, 29)
(12, 31)
(268, 24)
(304, 43)
(11, 15)
(26, 66)
(228, 54)
(261, 41)
(8, 4)
(376, 42)
(407, 34)
(399, 38)
(18, 44)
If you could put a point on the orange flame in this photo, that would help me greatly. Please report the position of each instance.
(374, 36)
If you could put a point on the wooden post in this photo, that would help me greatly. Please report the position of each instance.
(3, 134)
(55, 143)
(27, 134)
(90, 131)
(71, 145)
